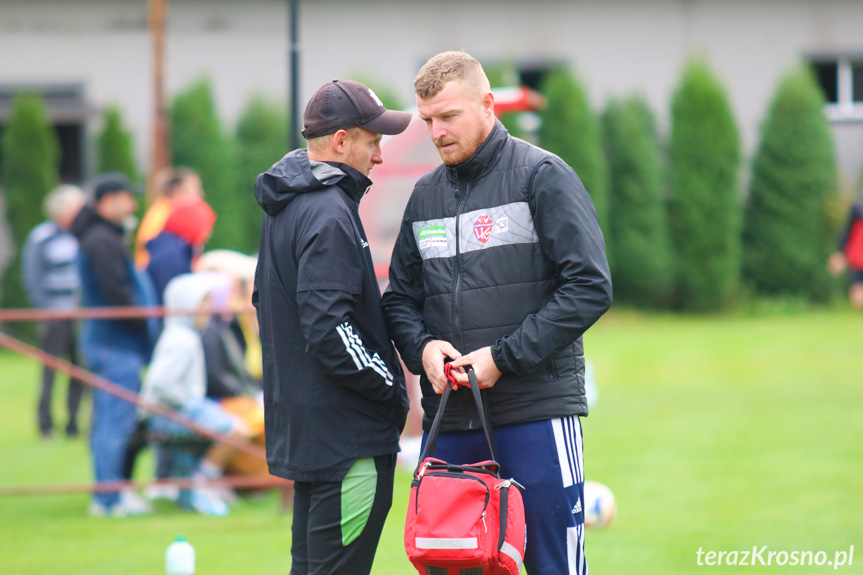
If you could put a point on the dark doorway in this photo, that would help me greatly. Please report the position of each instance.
(68, 113)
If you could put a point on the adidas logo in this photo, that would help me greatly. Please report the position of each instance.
(576, 509)
(365, 244)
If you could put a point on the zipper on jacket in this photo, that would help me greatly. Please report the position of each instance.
(456, 293)
(456, 298)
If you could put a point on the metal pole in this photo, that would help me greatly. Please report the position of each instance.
(295, 123)
(158, 10)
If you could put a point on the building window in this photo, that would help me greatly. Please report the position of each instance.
(841, 81)
(68, 113)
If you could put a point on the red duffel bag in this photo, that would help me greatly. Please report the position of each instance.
(464, 519)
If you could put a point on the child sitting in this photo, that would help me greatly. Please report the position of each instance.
(177, 378)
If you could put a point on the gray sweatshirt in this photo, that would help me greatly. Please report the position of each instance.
(49, 267)
(177, 374)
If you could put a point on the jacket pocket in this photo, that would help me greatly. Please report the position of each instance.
(566, 364)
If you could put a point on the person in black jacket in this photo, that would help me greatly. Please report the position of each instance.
(115, 349)
(335, 400)
(500, 265)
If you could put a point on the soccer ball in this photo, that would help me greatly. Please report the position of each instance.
(599, 504)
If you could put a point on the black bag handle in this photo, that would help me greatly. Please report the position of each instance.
(431, 442)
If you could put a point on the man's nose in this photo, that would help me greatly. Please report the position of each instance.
(437, 130)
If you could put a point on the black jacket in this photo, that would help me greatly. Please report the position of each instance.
(226, 370)
(333, 386)
(503, 250)
(108, 278)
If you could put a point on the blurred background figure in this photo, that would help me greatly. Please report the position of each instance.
(115, 349)
(850, 254)
(177, 378)
(244, 325)
(176, 183)
(181, 240)
(51, 280)
(228, 380)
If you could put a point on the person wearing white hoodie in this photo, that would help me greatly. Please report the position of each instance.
(177, 378)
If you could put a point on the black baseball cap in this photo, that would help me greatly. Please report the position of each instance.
(112, 183)
(344, 104)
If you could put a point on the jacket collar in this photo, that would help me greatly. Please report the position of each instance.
(355, 185)
(481, 162)
(88, 218)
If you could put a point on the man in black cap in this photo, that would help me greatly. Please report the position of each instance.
(334, 393)
(114, 349)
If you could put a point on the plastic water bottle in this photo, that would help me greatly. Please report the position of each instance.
(180, 557)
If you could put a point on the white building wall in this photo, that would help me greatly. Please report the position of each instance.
(617, 47)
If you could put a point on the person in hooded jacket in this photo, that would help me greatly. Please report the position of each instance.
(177, 378)
(335, 399)
(115, 349)
(181, 240)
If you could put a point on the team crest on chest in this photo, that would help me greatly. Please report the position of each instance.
(482, 228)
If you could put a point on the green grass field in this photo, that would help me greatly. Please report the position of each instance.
(715, 433)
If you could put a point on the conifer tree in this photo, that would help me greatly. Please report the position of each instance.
(570, 129)
(261, 141)
(787, 237)
(116, 153)
(30, 169)
(705, 211)
(637, 230)
(197, 142)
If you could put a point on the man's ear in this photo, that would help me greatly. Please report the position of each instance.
(488, 103)
(339, 142)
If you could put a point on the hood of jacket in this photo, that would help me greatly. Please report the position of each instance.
(186, 292)
(295, 174)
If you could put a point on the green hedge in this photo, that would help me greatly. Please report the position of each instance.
(705, 212)
(197, 141)
(115, 145)
(261, 141)
(570, 129)
(30, 169)
(637, 232)
(787, 237)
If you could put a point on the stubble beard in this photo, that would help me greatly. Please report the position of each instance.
(461, 153)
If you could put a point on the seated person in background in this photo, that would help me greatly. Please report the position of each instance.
(180, 242)
(241, 267)
(228, 381)
(227, 375)
(177, 378)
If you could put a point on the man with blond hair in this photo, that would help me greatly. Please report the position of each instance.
(50, 277)
(500, 265)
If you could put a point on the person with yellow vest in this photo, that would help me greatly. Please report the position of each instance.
(177, 182)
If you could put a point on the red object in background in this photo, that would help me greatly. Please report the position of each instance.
(854, 246)
(191, 219)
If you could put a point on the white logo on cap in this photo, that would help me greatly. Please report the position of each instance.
(375, 98)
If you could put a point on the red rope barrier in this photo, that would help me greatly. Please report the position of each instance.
(127, 312)
(103, 384)
(241, 481)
